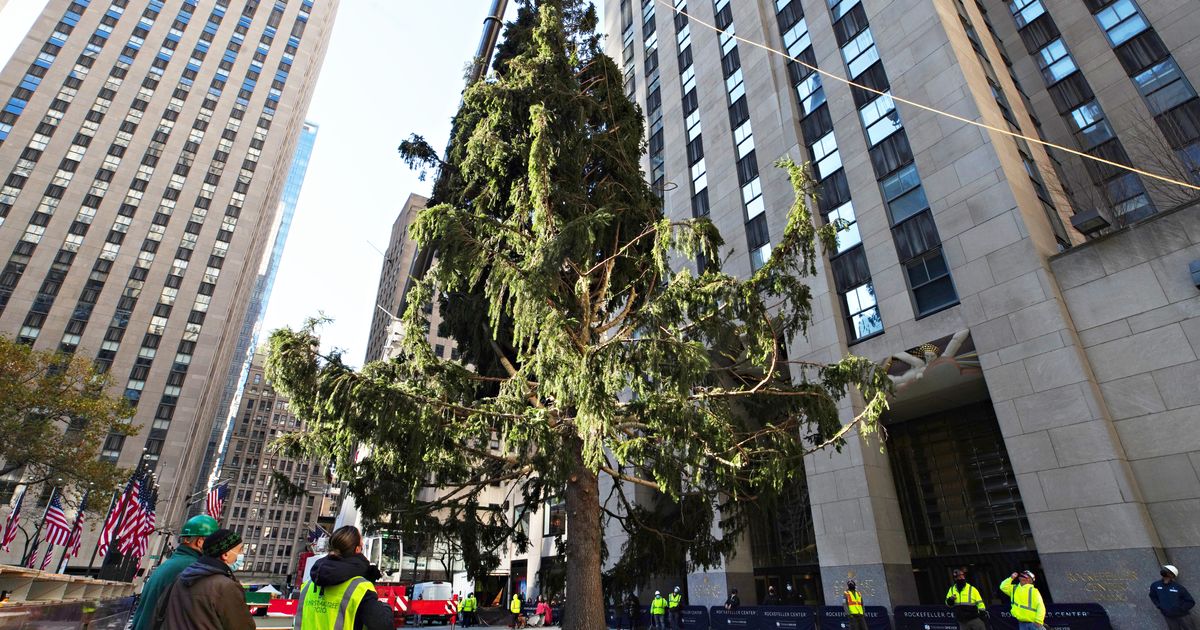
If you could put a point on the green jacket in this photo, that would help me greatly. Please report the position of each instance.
(160, 580)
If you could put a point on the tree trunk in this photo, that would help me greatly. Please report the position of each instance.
(585, 599)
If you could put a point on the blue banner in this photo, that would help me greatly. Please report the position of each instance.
(1058, 617)
(745, 618)
(834, 618)
(787, 618)
(692, 618)
(925, 618)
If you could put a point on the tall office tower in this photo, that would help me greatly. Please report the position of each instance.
(145, 146)
(394, 276)
(273, 516)
(1013, 438)
(243, 355)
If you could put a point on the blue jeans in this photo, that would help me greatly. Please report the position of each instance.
(1027, 625)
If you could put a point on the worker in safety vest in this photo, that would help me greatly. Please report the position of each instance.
(341, 595)
(855, 613)
(658, 611)
(467, 608)
(1027, 606)
(674, 608)
(514, 607)
(969, 610)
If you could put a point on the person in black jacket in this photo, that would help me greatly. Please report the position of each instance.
(1173, 600)
(633, 610)
(733, 602)
(346, 562)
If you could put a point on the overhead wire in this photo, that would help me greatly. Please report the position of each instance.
(928, 108)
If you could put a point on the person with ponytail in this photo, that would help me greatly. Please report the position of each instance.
(341, 592)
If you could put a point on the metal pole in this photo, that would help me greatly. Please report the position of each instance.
(96, 549)
(37, 533)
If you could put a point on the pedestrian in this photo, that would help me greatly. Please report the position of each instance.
(1027, 606)
(341, 591)
(675, 608)
(969, 610)
(543, 609)
(191, 543)
(733, 600)
(633, 609)
(658, 611)
(789, 596)
(514, 607)
(1173, 600)
(772, 598)
(469, 605)
(207, 596)
(856, 614)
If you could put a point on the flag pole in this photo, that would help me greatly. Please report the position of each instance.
(37, 533)
(62, 562)
(96, 549)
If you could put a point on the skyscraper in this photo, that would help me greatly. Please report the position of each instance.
(145, 146)
(243, 355)
(1013, 441)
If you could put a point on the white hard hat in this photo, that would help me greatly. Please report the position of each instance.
(658, 592)
(1172, 569)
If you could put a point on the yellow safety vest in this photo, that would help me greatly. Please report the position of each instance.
(1027, 602)
(469, 604)
(658, 606)
(969, 596)
(333, 608)
(674, 600)
(854, 604)
(515, 606)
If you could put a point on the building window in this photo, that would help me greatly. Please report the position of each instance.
(929, 279)
(862, 312)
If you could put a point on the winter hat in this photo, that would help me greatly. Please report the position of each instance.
(1172, 569)
(221, 541)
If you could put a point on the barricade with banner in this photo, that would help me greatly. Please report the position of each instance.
(692, 617)
(834, 618)
(1058, 617)
(787, 618)
(924, 618)
(745, 618)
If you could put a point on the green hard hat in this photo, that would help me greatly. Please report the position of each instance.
(201, 525)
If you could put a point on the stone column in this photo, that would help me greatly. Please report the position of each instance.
(856, 515)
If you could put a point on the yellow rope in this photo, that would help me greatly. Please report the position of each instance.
(934, 110)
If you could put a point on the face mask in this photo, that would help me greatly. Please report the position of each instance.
(237, 564)
(960, 582)
(851, 587)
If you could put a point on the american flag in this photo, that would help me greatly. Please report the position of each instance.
(216, 500)
(118, 510)
(136, 516)
(32, 559)
(57, 530)
(76, 538)
(46, 558)
(149, 522)
(14, 518)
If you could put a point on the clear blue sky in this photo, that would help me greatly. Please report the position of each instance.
(394, 67)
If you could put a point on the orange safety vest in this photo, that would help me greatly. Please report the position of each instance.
(854, 605)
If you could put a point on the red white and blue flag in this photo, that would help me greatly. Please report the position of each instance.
(216, 500)
(115, 517)
(149, 522)
(46, 558)
(57, 529)
(31, 561)
(136, 516)
(76, 538)
(14, 520)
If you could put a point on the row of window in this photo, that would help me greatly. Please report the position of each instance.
(918, 245)
(758, 238)
(1077, 104)
(861, 311)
